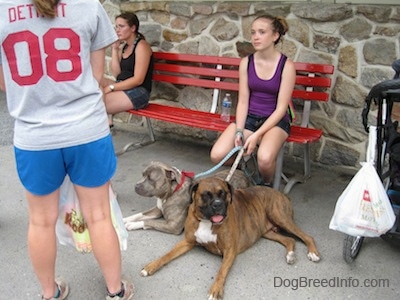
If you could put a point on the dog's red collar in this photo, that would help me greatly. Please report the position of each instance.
(183, 177)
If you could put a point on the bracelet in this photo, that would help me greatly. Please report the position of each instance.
(239, 132)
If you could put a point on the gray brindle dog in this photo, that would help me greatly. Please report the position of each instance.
(170, 187)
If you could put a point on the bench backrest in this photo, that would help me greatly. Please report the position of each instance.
(221, 74)
(312, 84)
(212, 72)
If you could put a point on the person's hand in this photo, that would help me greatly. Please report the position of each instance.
(250, 144)
(106, 90)
(116, 45)
(238, 141)
(239, 138)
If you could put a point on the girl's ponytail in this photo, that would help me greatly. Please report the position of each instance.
(46, 8)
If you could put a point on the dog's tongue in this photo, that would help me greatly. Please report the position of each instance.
(217, 218)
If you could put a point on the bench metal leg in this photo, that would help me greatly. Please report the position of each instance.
(307, 166)
(133, 145)
(300, 179)
(278, 169)
(150, 130)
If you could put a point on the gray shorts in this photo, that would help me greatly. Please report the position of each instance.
(139, 97)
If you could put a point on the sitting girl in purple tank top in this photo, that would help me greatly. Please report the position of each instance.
(266, 82)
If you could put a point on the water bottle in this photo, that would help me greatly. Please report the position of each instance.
(226, 108)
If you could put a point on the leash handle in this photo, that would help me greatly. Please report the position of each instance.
(235, 164)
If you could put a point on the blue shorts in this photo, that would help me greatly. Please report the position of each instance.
(88, 165)
(139, 97)
(253, 122)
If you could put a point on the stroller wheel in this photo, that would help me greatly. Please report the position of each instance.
(351, 247)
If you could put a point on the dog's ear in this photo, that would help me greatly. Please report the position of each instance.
(169, 174)
(231, 190)
(172, 174)
(193, 188)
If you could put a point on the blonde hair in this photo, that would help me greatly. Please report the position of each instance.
(46, 8)
(278, 24)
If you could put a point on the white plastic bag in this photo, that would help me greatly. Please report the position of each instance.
(364, 209)
(118, 221)
(71, 228)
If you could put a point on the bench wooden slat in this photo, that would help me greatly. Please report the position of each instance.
(195, 70)
(183, 116)
(312, 96)
(304, 135)
(192, 81)
(183, 57)
(313, 81)
(314, 68)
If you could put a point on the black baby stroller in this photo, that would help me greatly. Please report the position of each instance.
(387, 163)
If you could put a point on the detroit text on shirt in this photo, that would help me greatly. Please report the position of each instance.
(28, 11)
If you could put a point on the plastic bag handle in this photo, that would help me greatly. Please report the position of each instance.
(371, 150)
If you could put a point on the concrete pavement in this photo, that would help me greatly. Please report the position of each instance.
(259, 273)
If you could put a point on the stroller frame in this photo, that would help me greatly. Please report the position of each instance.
(384, 95)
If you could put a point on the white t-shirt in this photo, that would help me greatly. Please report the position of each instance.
(50, 88)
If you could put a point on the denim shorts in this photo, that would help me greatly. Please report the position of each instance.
(139, 97)
(253, 122)
(89, 165)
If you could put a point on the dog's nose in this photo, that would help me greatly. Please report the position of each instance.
(217, 204)
(137, 188)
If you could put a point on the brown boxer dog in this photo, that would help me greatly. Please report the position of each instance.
(227, 222)
(170, 187)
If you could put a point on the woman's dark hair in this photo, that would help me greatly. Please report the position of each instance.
(278, 23)
(132, 20)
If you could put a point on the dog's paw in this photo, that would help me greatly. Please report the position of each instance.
(216, 291)
(313, 256)
(290, 257)
(215, 294)
(133, 218)
(134, 225)
(149, 269)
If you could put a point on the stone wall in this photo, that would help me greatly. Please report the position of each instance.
(361, 41)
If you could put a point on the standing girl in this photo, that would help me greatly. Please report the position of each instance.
(51, 62)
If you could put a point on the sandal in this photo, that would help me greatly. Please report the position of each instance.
(62, 290)
(127, 291)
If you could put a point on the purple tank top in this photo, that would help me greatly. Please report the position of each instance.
(264, 93)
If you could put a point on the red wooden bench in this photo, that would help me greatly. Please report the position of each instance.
(221, 75)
